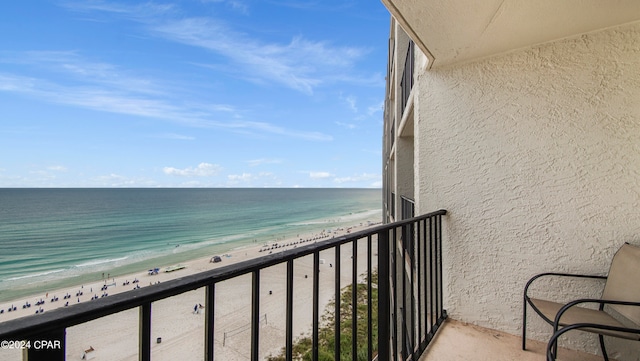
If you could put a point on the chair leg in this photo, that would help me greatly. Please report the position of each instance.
(551, 356)
(555, 344)
(524, 325)
(604, 350)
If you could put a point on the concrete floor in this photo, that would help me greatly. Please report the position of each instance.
(457, 341)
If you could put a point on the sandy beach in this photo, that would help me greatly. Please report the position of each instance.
(174, 321)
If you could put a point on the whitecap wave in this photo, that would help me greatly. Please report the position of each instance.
(32, 275)
(97, 262)
(352, 217)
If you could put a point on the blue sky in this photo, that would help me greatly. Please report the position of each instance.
(192, 93)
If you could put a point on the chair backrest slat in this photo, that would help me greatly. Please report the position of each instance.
(623, 282)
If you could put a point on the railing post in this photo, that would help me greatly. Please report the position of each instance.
(432, 312)
(46, 346)
(338, 318)
(394, 309)
(369, 304)
(418, 269)
(289, 319)
(383, 296)
(209, 312)
(255, 315)
(316, 306)
(144, 342)
(354, 301)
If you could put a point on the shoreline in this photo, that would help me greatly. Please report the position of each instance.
(178, 322)
(34, 283)
(114, 284)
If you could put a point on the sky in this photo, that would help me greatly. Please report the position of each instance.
(192, 93)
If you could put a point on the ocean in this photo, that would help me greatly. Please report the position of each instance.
(53, 238)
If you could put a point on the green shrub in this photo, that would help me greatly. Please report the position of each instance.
(326, 334)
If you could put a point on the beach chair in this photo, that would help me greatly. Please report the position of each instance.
(621, 295)
(89, 354)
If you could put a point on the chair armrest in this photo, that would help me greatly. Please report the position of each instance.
(575, 326)
(560, 274)
(601, 302)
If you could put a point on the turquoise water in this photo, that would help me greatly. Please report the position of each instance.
(51, 238)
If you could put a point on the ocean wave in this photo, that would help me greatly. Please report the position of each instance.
(32, 275)
(351, 217)
(212, 242)
(68, 271)
(99, 262)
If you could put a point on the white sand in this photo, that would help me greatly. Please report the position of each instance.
(182, 331)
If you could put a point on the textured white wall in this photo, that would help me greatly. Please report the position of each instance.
(536, 156)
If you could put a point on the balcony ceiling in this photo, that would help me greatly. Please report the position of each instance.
(454, 31)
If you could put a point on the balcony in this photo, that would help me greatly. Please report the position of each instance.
(398, 316)
(457, 341)
(401, 319)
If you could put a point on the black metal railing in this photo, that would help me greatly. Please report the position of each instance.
(408, 258)
(406, 84)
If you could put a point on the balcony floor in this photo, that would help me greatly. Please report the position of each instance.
(457, 341)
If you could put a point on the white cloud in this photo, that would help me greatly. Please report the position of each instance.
(57, 168)
(358, 178)
(351, 101)
(346, 125)
(108, 88)
(261, 161)
(72, 66)
(121, 99)
(320, 175)
(375, 108)
(138, 12)
(116, 180)
(240, 6)
(300, 64)
(202, 170)
(173, 136)
(244, 177)
(261, 127)
(262, 179)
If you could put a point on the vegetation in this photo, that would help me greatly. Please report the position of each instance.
(326, 334)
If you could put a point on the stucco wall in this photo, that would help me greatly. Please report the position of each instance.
(536, 156)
